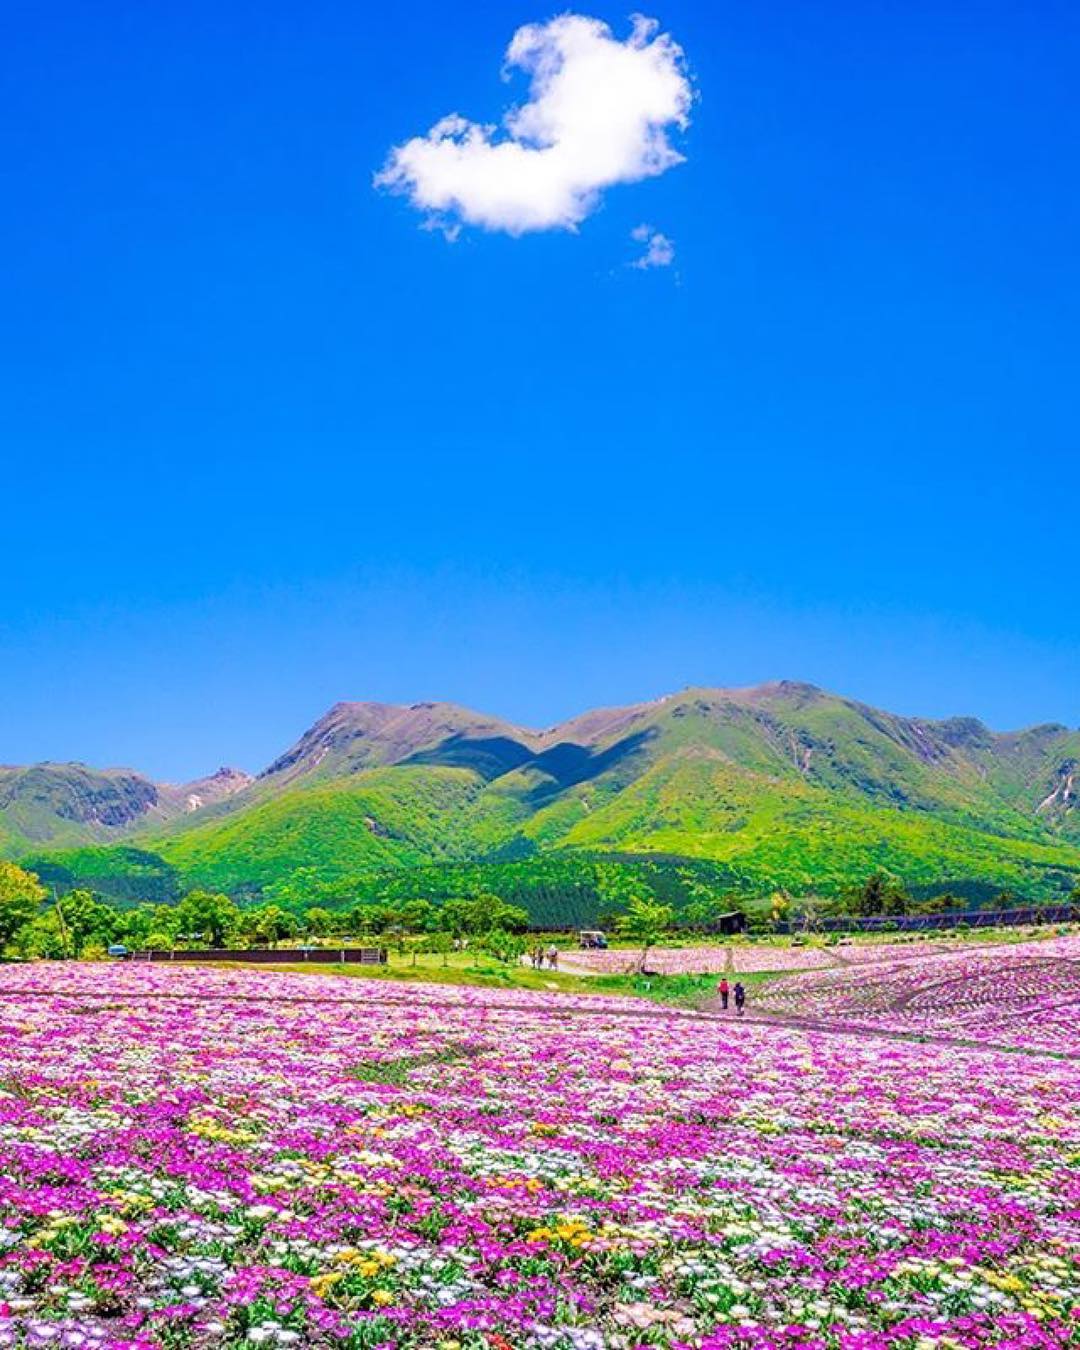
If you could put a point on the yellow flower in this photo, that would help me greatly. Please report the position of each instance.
(322, 1284)
(381, 1297)
(206, 1128)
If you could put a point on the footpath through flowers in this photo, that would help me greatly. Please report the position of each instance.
(199, 1158)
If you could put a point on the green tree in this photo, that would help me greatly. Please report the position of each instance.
(880, 894)
(134, 925)
(938, 904)
(370, 917)
(618, 886)
(303, 888)
(165, 924)
(484, 913)
(21, 895)
(207, 916)
(437, 944)
(456, 918)
(43, 938)
(506, 947)
(318, 921)
(80, 917)
(397, 920)
(271, 924)
(417, 916)
(160, 939)
(647, 923)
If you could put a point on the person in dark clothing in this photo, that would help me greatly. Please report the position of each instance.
(725, 990)
(740, 999)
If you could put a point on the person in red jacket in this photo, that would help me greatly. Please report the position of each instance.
(725, 990)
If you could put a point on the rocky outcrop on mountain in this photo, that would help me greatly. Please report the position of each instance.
(68, 804)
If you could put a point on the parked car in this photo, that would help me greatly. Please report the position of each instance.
(592, 938)
(119, 951)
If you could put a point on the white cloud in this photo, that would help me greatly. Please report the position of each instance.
(599, 112)
(659, 250)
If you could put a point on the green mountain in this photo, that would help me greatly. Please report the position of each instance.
(782, 785)
(68, 805)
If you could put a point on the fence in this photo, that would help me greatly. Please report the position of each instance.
(954, 918)
(359, 956)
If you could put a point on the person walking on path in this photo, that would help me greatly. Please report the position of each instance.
(553, 957)
(725, 990)
(740, 999)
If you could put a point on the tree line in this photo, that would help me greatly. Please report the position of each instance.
(35, 922)
(40, 921)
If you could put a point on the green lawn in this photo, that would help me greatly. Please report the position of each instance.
(481, 971)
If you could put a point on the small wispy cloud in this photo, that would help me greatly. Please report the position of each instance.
(659, 250)
(599, 113)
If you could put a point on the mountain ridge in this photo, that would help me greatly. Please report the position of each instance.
(784, 783)
(55, 802)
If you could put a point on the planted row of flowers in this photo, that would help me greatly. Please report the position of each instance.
(199, 1158)
(705, 960)
(756, 958)
(1023, 996)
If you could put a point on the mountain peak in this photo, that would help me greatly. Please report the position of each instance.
(355, 736)
(223, 781)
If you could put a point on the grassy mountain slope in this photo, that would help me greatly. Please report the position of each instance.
(123, 873)
(399, 817)
(771, 832)
(782, 784)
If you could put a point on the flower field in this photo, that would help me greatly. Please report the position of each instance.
(665, 960)
(780, 959)
(199, 1158)
(760, 958)
(1023, 996)
(703, 960)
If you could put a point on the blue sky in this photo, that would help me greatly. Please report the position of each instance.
(269, 444)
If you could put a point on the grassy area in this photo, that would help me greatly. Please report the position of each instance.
(483, 972)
